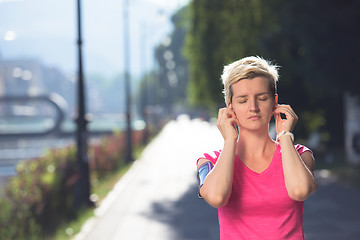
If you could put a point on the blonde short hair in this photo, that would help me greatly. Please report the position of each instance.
(248, 68)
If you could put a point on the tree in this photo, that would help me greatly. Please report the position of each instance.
(318, 54)
(315, 43)
(173, 69)
(221, 32)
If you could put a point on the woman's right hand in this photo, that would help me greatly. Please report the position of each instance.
(226, 124)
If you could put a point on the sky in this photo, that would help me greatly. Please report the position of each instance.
(46, 30)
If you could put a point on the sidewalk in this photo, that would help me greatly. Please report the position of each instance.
(157, 198)
(333, 211)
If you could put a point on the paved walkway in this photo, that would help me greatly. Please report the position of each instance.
(157, 198)
(333, 211)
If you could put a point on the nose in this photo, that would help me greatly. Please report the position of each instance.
(254, 107)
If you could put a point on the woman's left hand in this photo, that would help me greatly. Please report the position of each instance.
(289, 122)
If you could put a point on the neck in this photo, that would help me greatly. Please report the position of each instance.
(253, 144)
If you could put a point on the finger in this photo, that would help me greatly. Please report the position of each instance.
(277, 118)
(220, 116)
(289, 110)
(284, 124)
(289, 113)
(231, 115)
(234, 121)
(285, 110)
(222, 113)
(276, 115)
(228, 113)
(226, 116)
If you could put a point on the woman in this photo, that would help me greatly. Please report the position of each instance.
(257, 184)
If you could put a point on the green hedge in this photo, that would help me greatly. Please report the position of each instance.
(40, 197)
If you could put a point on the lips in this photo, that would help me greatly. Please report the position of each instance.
(254, 117)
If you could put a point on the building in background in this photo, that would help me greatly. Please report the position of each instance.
(29, 77)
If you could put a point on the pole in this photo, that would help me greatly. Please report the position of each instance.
(145, 99)
(82, 186)
(128, 150)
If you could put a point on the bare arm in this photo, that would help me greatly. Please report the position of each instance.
(216, 189)
(298, 170)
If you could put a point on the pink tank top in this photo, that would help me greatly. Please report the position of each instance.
(259, 206)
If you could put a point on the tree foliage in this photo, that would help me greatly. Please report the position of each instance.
(221, 32)
(314, 42)
(165, 88)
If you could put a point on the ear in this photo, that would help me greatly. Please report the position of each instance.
(230, 106)
(276, 98)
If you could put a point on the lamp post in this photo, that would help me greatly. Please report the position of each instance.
(128, 149)
(145, 104)
(82, 186)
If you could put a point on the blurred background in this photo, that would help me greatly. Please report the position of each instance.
(145, 62)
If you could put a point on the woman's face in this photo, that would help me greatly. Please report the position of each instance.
(252, 102)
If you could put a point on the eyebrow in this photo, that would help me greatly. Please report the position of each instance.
(258, 94)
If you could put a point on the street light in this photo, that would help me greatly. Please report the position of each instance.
(128, 149)
(82, 186)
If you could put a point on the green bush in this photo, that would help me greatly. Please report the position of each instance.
(40, 197)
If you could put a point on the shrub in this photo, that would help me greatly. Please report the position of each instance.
(40, 196)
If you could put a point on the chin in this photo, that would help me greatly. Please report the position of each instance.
(256, 126)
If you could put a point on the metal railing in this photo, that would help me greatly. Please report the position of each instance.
(7, 115)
